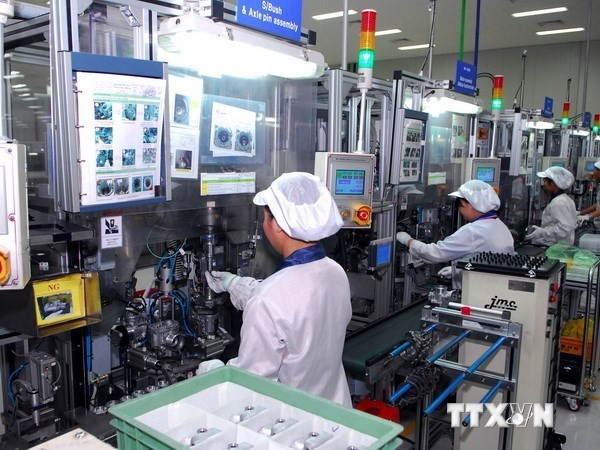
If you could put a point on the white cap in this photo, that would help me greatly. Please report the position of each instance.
(597, 164)
(561, 176)
(479, 194)
(302, 206)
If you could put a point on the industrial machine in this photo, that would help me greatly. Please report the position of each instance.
(530, 289)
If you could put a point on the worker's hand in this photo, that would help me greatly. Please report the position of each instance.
(535, 232)
(208, 365)
(219, 281)
(403, 238)
(446, 272)
(582, 219)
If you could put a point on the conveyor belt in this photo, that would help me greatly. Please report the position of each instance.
(376, 340)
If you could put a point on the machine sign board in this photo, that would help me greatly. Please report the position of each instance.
(466, 76)
(548, 104)
(279, 17)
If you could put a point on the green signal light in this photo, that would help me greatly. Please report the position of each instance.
(496, 103)
(366, 59)
(595, 129)
(564, 121)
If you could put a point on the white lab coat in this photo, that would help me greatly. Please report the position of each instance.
(484, 235)
(294, 326)
(559, 220)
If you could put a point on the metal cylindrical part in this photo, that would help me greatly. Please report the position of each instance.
(166, 284)
(35, 405)
(139, 359)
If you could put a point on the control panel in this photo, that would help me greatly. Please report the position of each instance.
(15, 268)
(585, 167)
(483, 169)
(554, 161)
(349, 178)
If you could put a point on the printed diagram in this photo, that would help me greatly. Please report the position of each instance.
(233, 131)
(120, 125)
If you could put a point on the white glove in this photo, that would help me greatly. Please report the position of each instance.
(208, 365)
(403, 238)
(535, 231)
(582, 219)
(446, 272)
(219, 281)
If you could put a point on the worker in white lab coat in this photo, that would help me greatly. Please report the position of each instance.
(485, 232)
(592, 212)
(294, 321)
(559, 218)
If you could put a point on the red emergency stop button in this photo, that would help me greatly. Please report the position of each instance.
(362, 216)
(553, 299)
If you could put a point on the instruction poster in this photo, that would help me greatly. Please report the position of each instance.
(410, 170)
(120, 123)
(458, 140)
(185, 96)
(233, 131)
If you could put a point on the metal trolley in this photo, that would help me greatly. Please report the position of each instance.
(576, 372)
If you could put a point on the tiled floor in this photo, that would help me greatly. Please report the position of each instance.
(582, 428)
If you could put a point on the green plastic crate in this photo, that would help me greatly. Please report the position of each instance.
(135, 435)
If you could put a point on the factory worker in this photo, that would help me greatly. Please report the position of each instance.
(485, 232)
(294, 321)
(559, 218)
(593, 212)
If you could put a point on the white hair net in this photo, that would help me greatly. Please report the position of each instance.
(561, 176)
(302, 206)
(479, 194)
(597, 164)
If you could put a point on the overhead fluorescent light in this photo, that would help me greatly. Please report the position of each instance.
(438, 101)
(386, 32)
(564, 30)
(539, 122)
(580, 131)
(539, 12)
(414, 47)
(218, 48)
(333, 15)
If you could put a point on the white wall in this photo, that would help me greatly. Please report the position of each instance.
(547, 69)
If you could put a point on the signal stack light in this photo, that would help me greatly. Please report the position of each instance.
(366, 52)
(596, 126)
(565, 113)
(497, 92)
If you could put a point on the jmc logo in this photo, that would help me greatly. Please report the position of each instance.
(500, 303)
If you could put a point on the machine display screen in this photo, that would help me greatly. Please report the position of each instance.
(349, 182)
(486, 174)
(589, 166)
(558, 164)
(384, 254)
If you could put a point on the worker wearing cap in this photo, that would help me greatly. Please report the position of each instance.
(593, 212)
(485, 232)
(559, 218)
(294, 321)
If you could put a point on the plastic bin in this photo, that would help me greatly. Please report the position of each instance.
(574, 347)
(232, 405)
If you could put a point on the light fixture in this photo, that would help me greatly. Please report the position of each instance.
(220, 48)
(539, 12)
(386, 32)
(580, 131)
(538, 122)
(333, 15)
(414, 47)
(438, 101)
(564, 30)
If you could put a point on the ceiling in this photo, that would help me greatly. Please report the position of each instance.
(498, 29)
